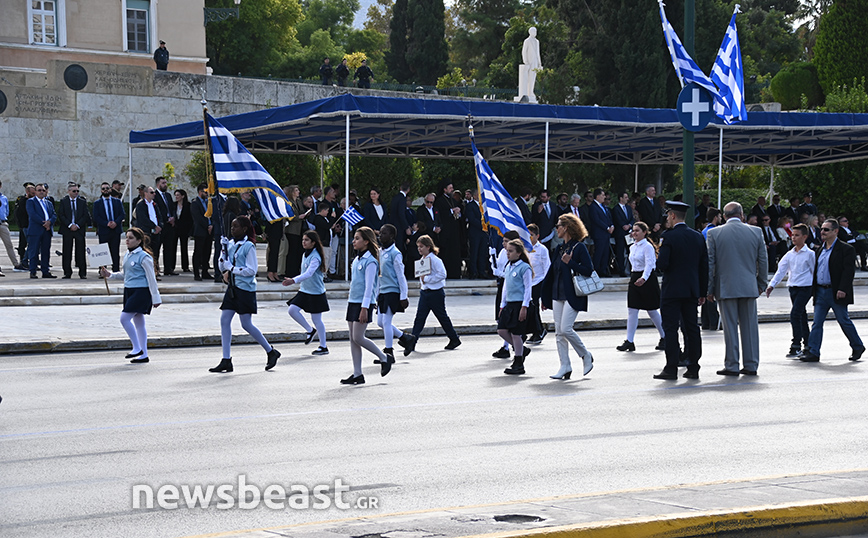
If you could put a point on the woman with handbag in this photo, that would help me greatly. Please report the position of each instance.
(643, 292)
(238, 264)
(559, 294)
(512, 321)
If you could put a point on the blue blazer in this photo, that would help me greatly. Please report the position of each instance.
(600, 221)
(580, 263)
(101, 216)
(36, 217)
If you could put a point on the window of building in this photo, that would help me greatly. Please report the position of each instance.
(138, 25)
(43, 22)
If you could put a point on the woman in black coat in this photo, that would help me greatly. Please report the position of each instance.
(184, 227)
(374, 212)
(559, 295)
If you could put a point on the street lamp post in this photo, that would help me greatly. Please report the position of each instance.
(217, 14)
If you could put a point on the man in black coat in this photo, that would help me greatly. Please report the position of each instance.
(478, 254)
(650, 211)
(521, 202)
(428, 218)
(73, 220)
(683, 259)
(202, 233)
(622, 217)
(150, 218)
(398, 216)
(775, 211)
(450, 239)
(108, 217)
(166, 203)
(544, 214)
(833, 289)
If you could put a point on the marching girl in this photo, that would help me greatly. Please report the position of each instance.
(499, 266)
(140, 291)
(363, 294)
(393, 289)
(432, 297)
(311, 296)
(512, 321)
(239, 265)
(644, 290)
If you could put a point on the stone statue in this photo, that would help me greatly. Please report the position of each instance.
(527, 70)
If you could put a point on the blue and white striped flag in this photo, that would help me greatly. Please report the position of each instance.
(685, 67)
(728, 74)
(498, 208)
(237, 170)
(352, 216)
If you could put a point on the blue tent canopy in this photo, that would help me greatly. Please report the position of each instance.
(438, 128)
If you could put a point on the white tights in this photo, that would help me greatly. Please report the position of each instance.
(134, 324)
(384, 320)
(246, 324)
(295, 314)
(633, 322)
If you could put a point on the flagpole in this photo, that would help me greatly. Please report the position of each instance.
(720, 169)
(348, 228)
(688, 142)
(546, 168)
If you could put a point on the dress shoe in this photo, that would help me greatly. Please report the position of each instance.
(320, 351)
(501, 353)
(666, 375)
(565, 376)
(411, 345)
(273, 355)
(386, 366)
(517, 366)
(224, 366)
(745, 371)
(140, 360)
(171, 273)
(690, 375)
(807, 356)
(207, 275)
(857, 354)
(83, 277)
(133, 355)
(404, 339)
(197, 278)
(661, 345)
(19, 269)
(354, 380)
(534, 339)
(386, 351)
(33, 276)
(587, 363)
(325, 280)
(309, 336)
(66, 277)
(454, 344)
(626, 346)
(525, 351)
(48, 275)
(733, 373)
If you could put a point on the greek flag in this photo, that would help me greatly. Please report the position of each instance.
(728, 74)
(498, 207)
(352, 216)
(237, 170)
(685, 67)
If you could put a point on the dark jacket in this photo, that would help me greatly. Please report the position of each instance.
(683, 259)
(200, 221)
(36, 216)
(64, 215)
(184, 222)
(372, 219)
(398, 217)
(143, 219)
(101, 216)
(620, 219)
(545, 223)
(423, 217)
(580, 263)
(842, 269)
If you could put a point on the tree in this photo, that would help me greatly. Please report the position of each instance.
(396, 57)
(794, 81)
(379, 16)
(478, 34)
(303, 62)
(254, 44)
(427, 52)
(841, 52)
(334, 16)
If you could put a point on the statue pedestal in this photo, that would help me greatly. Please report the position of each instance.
(526, 82)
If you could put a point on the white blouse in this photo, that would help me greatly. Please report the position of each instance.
(643, 257)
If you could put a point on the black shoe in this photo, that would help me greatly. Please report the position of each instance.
(197, 278)
(732, 373)
(534, 339)
(273, 355)
(133, 355)
(666, 375)
(326, 280)
(386, 351)
(626, 346)
(33, 276)
(807, 356)
(141, 360)
(794, 352)
(171, 273)
(310, 336)
(404, 339)
(857, 354)
(354, 380)
(525, 351)
(453, 344)
(83, 277)
(691, 375)
(661, 345)
(386, 367)
(217, 279)
(66, 277)
(411, 345)
(207, 275)
(320, 351)
(48, 275)
(517, 367)
(745, 371)
(224, 366)
(501, 353)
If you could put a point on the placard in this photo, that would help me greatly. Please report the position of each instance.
(99, 255)
(422, 267)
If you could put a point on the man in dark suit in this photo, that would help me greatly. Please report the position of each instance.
(622, 218)
(150, 218)
(428, 218)
(602, 229)
(848, 236)
(775, 210)
(73, 220)
(772, 241)
(41, 218)
(544, 215)
(398, 216)
(450, 217)
(650, 211)
(108, 216)
(202, 232)
(479, 266)
(166, 203)
(833, 289)
(759, 209)
(683, 259)
(521, 202)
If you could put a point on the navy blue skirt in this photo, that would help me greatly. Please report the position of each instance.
(509, 318)
(354, 309)
(137, 300)
(390, 301)
(241, 301)
(312, 304)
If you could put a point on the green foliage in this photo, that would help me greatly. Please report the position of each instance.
(386, 174)
(396, 57)
(451, 80)
(427, 52)
(301, 170)
(838, 189)
(255, 44)
(841, 51)
(195, 170)
(766, 35)
(334, 16)
(373, 44)
(378, 16)
(794, 81)
(848, 99)
(304, 62)
(480, 28)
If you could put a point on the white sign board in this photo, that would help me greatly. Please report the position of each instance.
(423, 267)
(99, 255)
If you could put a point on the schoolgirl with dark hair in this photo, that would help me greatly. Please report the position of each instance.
(311, 296)
(512, 321)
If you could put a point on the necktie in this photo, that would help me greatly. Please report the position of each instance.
(44, 208)
(548, 211)
(108, 206)
(73, 209)
(575, 211)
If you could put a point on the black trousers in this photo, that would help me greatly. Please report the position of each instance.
(433, 301)
(534, 320)
(170, 248)
(274, 233)
(183, 241)
(156, 243)
(22, 246)
(114, 245)
(478, 254)
(621, 254)
(293, 255)
(73, 241)
(675, 311)
(201, 254)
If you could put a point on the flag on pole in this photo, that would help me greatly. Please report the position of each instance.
(352, 216)
(685, 67)
(237, 170)
(728, 74)
(498, 208)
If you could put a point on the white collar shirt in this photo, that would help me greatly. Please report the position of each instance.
(800, 266)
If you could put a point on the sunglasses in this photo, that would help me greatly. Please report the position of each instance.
(825, 229)
(427, 202)
(40, 190)
(74, 191)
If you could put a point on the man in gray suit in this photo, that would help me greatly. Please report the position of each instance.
(737, 275)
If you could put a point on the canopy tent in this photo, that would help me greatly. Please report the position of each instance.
(432, 128)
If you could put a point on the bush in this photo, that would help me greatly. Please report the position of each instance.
(795, 80)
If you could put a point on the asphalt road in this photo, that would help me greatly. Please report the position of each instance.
(79, 431)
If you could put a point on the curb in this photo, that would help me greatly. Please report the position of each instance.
(792, 517)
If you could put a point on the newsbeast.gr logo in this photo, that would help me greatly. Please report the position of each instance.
(246, 496)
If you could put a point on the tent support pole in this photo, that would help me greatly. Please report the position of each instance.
(772, 182)
(636, 179)
(321, 170)
(348, 229)
(130, 183)
(720, 170)
(546, 167)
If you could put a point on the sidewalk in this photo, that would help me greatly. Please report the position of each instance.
(821, 504)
